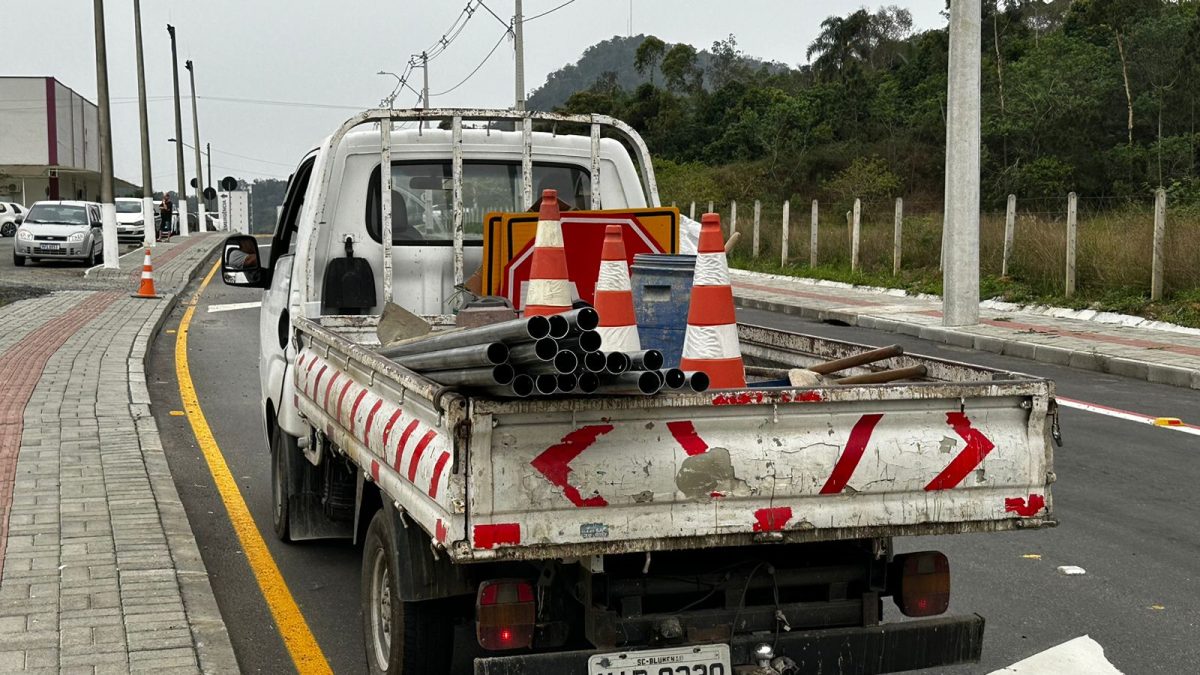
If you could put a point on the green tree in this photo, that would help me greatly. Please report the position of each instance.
(841, 45)
(679, 67)
(648, 54)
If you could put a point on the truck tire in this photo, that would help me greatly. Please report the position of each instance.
(400, 638)
(283, 468)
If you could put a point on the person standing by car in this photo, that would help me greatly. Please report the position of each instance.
(164, 212)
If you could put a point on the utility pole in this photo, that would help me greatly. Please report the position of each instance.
(960, 275)
(149, 235)
(519, 46)
(201, 211)
(208, 156)
(181, 194)
(425, 89)
(108, 210)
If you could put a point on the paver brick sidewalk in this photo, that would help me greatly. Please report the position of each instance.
(1165, 355)
(100, 572)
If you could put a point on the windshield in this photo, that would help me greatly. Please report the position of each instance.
(423, 196)
(129, 207)
(63, 214)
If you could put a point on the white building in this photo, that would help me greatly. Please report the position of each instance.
(49, 143)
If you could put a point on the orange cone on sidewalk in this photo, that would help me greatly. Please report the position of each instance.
(711, 343)
(146, 289)
(549, 290)
(614, 296)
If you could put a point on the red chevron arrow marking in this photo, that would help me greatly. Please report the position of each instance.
(555, 462)
(978, 446)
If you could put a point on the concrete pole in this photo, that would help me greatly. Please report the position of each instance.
(181, 194)
(710, 207)
(784, 243)
(1072, 238)
(1010, 231)
(855, 234)
(898, 237)
(960, 276)
(757, 215)
(1160, 236)
(519, 47)
(201, 210)
(425, 87)
(108, 209)
(150, 236)
(732, 216)
(812, 237)
(208, 156)
(692, 212)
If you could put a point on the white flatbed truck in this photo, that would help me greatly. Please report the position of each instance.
(733, 531)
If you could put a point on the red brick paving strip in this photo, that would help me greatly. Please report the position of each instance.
(20, 370)
(161, 259)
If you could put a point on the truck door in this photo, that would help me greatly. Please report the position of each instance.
(274, 327)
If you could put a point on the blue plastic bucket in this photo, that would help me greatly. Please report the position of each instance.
(662, 291)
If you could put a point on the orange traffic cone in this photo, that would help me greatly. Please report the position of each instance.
(614, 298)
(549, 290)
(711, 343)
(146, 289)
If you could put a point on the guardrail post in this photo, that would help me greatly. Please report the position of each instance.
(784, 244)
(854, 234)
(757, 215)
(812, 237)
(1072, 235)
(897, 236)
(1160, 235)
(1010, 226)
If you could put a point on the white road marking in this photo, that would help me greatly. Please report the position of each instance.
(93, 268)
(234, 305)
(1071, 570)
(1081, 656)
(1125, 415)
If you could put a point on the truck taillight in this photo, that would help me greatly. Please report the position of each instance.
(505, 613)
(924, 583)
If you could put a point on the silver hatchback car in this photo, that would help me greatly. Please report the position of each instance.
(60, 230)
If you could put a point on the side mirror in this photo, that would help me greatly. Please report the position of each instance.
(240, 265)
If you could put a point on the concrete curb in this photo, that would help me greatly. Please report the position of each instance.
(1074, 358)
(209, 634)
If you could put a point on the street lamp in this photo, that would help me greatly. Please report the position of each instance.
(390, 99)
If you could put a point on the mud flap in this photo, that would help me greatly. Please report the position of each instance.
(306, 514)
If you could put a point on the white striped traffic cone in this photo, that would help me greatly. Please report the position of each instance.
(614, 297)
(146, 288)
(711, 343)
(549, 290)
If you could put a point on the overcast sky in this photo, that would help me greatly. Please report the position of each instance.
(326, 54)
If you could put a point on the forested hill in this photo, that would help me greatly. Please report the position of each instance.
(1095, 96)
(612, 60)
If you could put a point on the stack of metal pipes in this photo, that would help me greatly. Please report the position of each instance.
(540, 356)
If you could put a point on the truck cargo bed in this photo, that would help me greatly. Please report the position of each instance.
(966, 450)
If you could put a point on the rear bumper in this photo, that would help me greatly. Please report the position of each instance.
(886, 648)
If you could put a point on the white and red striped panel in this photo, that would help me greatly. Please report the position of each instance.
(409, 446)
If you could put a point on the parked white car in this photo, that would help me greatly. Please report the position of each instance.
(8, 218)
(66, 230)
(131, 225)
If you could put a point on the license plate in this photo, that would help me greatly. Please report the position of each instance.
(49, 246)
(695, 660)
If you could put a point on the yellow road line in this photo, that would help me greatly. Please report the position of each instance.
(306, 653)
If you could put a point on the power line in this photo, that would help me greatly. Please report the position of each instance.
(549, 11)
(293, 104)
(254, 159)
(472, 74)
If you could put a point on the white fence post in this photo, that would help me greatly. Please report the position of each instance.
(812, 237)
(1160, 235)
(692, 211)
(757, 214)
(710, 207)
(732, 216)
(1072, 235)
(854, 234)
(1010, 227)
(784, 243)
(898, 236)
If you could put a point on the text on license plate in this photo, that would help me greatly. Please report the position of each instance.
(694, 660)
(49, 246)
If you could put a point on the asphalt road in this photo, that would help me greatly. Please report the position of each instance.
(1126, 499)
(36, 278)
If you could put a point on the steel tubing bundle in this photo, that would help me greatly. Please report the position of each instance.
(508, 332)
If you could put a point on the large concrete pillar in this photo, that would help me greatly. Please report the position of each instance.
(960, 275)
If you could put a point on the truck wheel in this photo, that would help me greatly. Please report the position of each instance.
(401, 638)
(283, 458)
